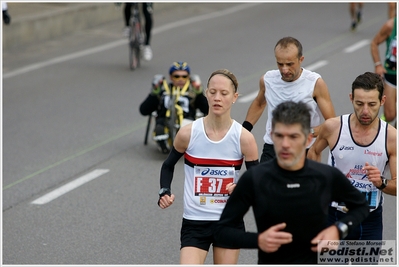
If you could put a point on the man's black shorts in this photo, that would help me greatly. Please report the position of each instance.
(200, 234)
(390, 78)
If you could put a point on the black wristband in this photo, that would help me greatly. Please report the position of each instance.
(247, 125)
(249, 164)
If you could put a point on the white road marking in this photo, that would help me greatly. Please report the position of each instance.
(61, 59)
(69, 187)
(101, 48)
(248, 97)
(356, 46)
(317, 65)
(313, 67)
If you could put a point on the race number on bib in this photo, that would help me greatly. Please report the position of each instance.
(212, 181)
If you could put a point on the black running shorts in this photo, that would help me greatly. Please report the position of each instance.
(391, 79)
(200, 234)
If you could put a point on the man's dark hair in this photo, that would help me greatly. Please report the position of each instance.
(284, 42)
(369, 81)
(291, 112)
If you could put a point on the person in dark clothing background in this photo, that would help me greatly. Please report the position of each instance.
(192, 100)
(6, 16)
(148, 10)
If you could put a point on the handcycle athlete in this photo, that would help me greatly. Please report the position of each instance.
(191, 99)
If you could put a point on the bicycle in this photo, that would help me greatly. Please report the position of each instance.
(136, 38)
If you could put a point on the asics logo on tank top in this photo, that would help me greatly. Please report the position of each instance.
(205, 171)
(214, 172)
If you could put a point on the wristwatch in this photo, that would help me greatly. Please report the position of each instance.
(342, 229)
(384, 183)
(312, 131)
(164, 191)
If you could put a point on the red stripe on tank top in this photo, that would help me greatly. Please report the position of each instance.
(212, 162)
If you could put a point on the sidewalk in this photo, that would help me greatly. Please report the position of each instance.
(35, 22)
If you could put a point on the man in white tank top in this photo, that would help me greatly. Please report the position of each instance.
(363, 147)
(290, 82)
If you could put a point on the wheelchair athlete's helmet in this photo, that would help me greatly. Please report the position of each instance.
(179, 65)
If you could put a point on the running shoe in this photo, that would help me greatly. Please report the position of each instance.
(147, 53)
(353, 26)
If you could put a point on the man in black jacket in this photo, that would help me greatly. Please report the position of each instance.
(290, 196)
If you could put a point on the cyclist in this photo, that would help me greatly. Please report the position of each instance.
(147, 11)
(192, 100)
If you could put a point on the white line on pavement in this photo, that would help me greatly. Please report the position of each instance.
(317, 65)
(63, 58)
(313, 67)
(356, 46)
(248, 97)
(69, 187)
(97, 49)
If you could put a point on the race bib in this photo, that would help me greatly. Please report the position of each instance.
(212, 181)
(370, 192)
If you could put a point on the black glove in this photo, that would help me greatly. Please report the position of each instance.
(6, 17)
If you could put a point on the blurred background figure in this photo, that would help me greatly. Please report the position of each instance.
(355, 10)
(6, 16)
(147, 9)
(190, 100)
(386, 67)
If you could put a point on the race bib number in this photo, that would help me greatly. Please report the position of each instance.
(371, 193)
(212, 181)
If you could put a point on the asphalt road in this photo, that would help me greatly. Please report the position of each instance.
(71, 126)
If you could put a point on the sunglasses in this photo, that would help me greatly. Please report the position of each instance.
(180, 76)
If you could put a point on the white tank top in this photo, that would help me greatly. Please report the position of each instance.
(209, 166)
(350, 158)
(278, 91)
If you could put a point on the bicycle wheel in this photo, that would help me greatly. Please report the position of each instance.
(172, 125)
(134, 56)
(134, 48)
